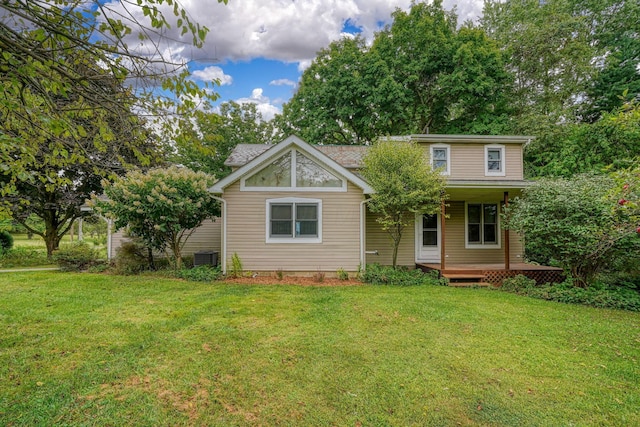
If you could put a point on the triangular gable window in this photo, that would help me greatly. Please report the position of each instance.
(311, 174)
(308, 175)
(277, 174)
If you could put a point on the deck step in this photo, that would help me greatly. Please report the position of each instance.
(470, 284)
(457, 276)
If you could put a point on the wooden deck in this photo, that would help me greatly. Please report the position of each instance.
(494, 274)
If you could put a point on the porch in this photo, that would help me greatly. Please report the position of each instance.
(493, 274)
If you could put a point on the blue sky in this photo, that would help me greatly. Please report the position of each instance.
(258, 49)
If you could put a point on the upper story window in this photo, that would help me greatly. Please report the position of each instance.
(294, 220)
(494, 161)
(293, 171)
(440, 158)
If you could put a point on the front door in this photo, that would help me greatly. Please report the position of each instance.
(428, 238)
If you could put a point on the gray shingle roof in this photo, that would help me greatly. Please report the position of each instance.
(244, 153)
(347, 156)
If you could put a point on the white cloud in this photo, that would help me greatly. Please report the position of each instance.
(285, 30)
(283, 82)
(303, 65)
(213, 73)
(263, 104)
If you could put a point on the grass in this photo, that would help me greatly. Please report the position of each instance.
(85, 349)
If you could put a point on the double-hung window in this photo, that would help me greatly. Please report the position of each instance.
(494, 160)
(293, 220)
(440, 158)
(482, 225)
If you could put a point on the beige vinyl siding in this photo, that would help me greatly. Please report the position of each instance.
(247, 232)
(207, 237)
(379, 240)
(117, 239)
(467, 161)
(455, 241)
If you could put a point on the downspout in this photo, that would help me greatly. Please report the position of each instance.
(223, 244)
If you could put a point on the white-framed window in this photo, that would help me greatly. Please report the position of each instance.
(482, 228)
(293, 171)
(294, 220)
(441, 158)
(494, 161)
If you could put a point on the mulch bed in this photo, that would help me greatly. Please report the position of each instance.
(293, 280)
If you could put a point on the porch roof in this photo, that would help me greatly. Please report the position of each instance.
(488, 183)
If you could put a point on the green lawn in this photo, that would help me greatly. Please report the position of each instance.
(90, 349)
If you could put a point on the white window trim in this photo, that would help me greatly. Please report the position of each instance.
(293, 151)
(292, 200)
(446, 171)
(503, 172)
(468, 245)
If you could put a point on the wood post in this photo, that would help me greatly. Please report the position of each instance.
(507, 264)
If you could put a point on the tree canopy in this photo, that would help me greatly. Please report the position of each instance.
(52, 164)
(77, 100)
(346, 96)
(214, 135)
(421, 74)
(54, 50)
(572, 59)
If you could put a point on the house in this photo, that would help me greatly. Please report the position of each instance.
(301, 208)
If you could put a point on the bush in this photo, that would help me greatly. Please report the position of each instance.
(376, 274)
(75, 256)
(600, 296)
(24, 257)
(236, 270)
(202, 273)
(131, 258)
(627, 280)
(342, 274)
(6, 241)
(518, 284)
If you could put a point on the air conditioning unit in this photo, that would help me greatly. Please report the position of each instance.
(205, 258)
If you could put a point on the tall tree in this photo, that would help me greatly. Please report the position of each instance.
(610, 143)
(572, 59)
(40, 41)
(68, 154)
(346, 96)
(615, 28)
(405, 184)
(72, 92)
(421, 74)
(454, 78)
(214, 135)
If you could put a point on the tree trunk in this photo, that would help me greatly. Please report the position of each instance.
(52, 241)
(396, 236)
(394, 261)
(152, 264)
(177, 254)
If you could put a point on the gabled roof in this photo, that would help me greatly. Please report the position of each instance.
(347, 156)
(263, 154)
